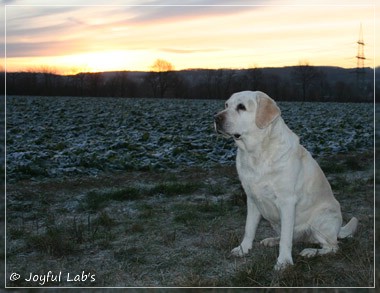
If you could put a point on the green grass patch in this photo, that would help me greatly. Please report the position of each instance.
(174, 188)
(94, 200)
(329, 166)
(345, 184)
(216, 189)
(340, 183)
(346, 162)
(354, 163)
(16, 233)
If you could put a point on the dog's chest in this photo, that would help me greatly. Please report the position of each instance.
(265, 199)
(257, 186)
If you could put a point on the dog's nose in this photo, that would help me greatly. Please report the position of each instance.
(217, 118)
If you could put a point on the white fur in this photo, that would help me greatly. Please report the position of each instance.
(282, 181)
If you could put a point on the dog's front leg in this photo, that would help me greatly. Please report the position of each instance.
(287, 213)
(253, 219)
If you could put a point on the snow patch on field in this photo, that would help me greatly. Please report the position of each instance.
(49, 137)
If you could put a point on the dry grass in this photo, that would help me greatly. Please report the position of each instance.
(174, 229)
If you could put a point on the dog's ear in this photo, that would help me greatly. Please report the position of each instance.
(267, 111)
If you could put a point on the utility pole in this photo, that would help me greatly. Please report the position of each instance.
(360, 72)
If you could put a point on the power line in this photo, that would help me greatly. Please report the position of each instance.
(360, 58)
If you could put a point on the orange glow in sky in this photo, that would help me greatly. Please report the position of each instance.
(71, 38)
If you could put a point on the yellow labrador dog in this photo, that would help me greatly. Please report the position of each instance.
(283, 183)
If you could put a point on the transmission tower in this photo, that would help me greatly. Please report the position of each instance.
(360, 72)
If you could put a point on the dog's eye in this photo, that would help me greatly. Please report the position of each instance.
(241, 107)
(226, 105)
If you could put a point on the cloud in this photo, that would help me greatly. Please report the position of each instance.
(50, 30)
(56, 30)
(188, 51)
(39, 49)
(29, 22)
(163, 12)
(268, 31)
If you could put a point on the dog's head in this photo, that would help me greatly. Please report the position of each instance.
(246, 113)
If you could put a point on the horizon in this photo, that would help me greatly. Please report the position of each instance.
(69, 39)
(51, 70)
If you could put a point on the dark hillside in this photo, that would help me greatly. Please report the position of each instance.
(294, 83)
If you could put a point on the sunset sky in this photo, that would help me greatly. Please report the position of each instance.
(73, 36)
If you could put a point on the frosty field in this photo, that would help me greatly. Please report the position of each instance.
(49, 137)
(142, 193)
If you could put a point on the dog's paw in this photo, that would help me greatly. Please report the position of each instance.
(283, 264)
(270, 242)
(239, 251)
(309, 252)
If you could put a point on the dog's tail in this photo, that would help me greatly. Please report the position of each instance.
(349, 229)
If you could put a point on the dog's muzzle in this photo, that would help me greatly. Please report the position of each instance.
(219, 125)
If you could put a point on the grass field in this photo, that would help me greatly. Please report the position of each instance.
(163, 225)
(53, 137)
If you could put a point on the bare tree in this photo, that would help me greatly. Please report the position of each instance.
(255, 78)
(50, 78)
(304, 74)
(94, 83)
(120, 85)
(219, 83)
(161, 65)
(161, 77)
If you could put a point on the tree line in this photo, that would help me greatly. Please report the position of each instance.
(298, 83)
